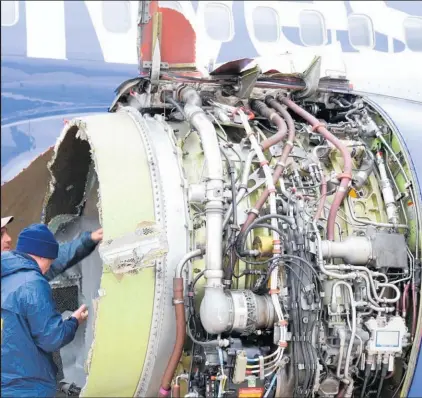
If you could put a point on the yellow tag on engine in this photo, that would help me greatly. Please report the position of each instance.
(353, 193)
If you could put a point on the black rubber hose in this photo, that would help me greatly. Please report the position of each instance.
(240, 247)
(365, 382)
(241, 239)
(383, 374)
(259, 107)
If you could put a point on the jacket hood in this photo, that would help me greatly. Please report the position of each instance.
(13, 261)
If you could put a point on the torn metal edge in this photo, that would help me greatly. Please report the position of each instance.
(81, 134)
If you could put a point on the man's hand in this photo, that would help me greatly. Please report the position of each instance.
(81, 314)
(97, 235)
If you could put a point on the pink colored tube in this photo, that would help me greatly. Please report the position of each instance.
(345, 177)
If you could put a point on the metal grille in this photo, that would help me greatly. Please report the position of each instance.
(66, 298)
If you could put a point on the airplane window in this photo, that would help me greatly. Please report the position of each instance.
(116, 16)
(312, 28)
(218, 22)
(361, 31)
(413, 33)
(265, 24)
(9, 13)
(174, 5)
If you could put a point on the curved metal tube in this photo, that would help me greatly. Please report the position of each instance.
(374, 223)
(271, 115)
(353, 331)
(342, 336)
(179, 308)
(185, 259)
(345, 177)
(214, 186)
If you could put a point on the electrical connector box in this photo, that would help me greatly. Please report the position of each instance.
(240, 368)
(386, 337)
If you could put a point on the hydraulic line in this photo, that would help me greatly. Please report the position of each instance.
(242, 187)
(366, 379)
(179, 308)
(271, 115)
(345, 177)
(348, 378)
(383, 375)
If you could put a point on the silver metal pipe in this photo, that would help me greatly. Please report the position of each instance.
(214, 310)
(367, 222)
(214, 185)
(342, 336)
(243, 186)
(349, 379)
(320, 259)
(185, 259)
(353, 250)
(403, 209)
(368, 276)
(408, 182)
(387, 191)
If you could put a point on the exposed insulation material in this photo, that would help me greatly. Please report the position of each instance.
(135, 251)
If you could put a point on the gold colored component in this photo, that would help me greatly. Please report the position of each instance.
(353, 193)
(264, 244)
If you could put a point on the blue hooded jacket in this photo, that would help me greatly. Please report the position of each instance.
(31, 327)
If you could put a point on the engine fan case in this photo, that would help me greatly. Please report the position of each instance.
(138, 196)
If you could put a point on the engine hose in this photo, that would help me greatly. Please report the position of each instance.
(366, 379)
(175, 391)
(345, 177)
(259, 107)
(179, 308)
(271, 115)
(383, 375)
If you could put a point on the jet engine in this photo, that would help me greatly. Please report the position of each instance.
(262, 244)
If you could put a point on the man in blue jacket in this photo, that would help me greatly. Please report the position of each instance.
(31, 327)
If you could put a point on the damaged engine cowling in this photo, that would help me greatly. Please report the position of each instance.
(254, 247)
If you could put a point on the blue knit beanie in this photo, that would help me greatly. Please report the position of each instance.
(38, 240)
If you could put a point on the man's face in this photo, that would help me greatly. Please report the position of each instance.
(44, 264)
(6, 240)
